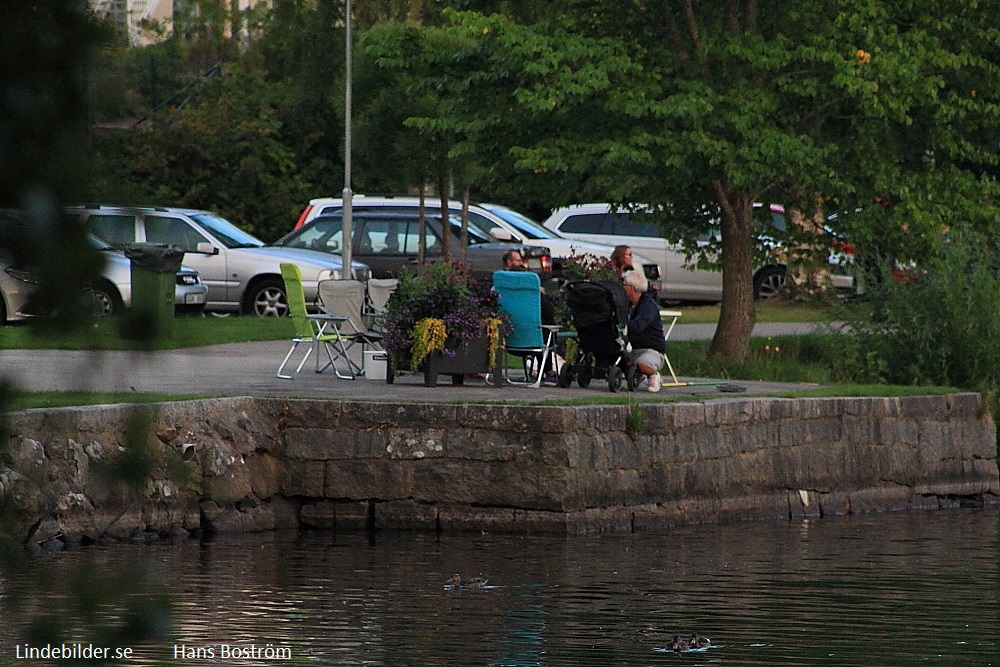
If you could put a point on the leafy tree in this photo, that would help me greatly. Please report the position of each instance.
(222, 153)
(683, 106)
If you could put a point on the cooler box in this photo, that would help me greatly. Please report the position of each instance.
(376, 364)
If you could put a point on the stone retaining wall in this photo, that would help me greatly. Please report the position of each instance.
(261, 464)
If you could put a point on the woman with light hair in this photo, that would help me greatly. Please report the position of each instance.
(645, 330)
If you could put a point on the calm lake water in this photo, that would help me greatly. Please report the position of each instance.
(891, 589)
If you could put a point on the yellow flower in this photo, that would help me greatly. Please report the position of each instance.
(863, 56)
(486, 31)
(428, 335)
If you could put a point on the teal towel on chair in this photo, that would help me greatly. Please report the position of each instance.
(520, 295)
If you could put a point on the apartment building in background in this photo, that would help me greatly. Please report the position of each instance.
(148, 21)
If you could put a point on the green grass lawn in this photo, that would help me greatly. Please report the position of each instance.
(774, 310)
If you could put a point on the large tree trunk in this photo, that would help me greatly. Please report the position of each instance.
(737, 315)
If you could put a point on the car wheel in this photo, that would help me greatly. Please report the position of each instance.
(106, 299)
(267, 299)
(769, 282)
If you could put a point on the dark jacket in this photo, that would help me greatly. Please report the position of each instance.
(645, 330)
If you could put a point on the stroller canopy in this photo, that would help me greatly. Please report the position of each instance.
(592, 303)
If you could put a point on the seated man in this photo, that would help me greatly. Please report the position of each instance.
(645, 330)
(512, 261)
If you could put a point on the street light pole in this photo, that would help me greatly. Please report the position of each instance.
(346, 273)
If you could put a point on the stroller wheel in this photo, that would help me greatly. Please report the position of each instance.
(586, 374)
(615, 378)
(566, 374)
(632, 378)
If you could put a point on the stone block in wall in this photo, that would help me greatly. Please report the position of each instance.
(469, 518)
(368, 479)
(500, 483)
(582, 450)
(518, 419)
(266, 475)
(661, 483)
(597, 520)
(364, 415)
(924, 408)
(604, 488)
(406, 515)
(276, 515)
(659, 418)
(539, 522)
(488, 445)
(416, 444)
(304, 413)
(595, 419)
(834, 503)
(687, 415)
(318, 514)
(754, 507)
(880, 499)
(304, 478)
(354, 515)
(731, 412)
(965, 406)
(229, 487)
(323, 444)
(624, 453)
(978, 438)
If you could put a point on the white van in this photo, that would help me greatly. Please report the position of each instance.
(598, 223)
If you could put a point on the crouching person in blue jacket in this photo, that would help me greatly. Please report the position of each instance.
(645, 330)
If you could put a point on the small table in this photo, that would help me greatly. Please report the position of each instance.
(672, 315)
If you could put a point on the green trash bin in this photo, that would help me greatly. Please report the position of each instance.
(154, 283)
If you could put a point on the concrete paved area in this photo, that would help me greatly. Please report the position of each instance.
(248, 369)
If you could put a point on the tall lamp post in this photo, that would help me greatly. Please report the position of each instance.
(346, 273)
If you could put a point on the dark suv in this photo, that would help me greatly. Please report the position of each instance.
(387, 241)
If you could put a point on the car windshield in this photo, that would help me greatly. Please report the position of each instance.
(226, 232)
(522, 223)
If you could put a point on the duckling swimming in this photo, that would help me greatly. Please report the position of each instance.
(699, 641)
(456, 581)
(679, 644)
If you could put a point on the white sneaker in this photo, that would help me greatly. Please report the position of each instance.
(654, 383)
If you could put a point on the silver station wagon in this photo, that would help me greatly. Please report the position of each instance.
(242, 273)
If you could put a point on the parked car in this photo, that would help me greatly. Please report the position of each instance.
(241, 272)
(110, 292)
(599, 223)
(497, 222)
(387, 240)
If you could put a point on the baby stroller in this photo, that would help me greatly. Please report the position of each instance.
(600, 315)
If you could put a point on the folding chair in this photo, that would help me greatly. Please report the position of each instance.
(346, 300)
(532, 341)
(312, 329)
(377, 297)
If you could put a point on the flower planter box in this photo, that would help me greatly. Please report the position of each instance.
(471, 357)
